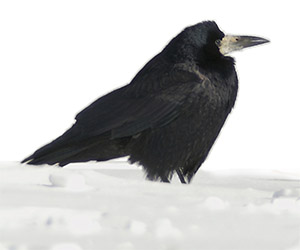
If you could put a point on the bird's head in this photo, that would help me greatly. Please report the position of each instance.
(205, 42)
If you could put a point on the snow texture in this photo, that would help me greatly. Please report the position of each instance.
(111, 206)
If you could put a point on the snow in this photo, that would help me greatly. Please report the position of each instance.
(111, 206)
(68, 180)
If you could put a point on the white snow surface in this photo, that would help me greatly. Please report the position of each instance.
(111, 206)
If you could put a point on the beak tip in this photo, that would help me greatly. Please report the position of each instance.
(267, 40)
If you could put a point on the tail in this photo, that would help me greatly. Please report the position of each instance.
(73, 147)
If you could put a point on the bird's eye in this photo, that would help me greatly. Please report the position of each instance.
(218, 42)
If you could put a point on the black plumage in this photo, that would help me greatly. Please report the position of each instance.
(166, 119)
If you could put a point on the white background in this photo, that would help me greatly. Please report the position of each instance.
(56, 57)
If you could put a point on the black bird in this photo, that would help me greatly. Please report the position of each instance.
(168, 117)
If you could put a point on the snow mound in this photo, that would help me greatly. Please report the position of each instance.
(137, 227)
(215, 203)
(72, 181)
(287, 193)
(165, 229)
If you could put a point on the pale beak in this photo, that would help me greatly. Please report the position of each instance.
(231, 43)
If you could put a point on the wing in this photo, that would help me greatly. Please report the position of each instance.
(126, 116)
(148, 102)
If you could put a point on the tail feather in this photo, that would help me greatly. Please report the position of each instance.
(69, 148)
(52, 157)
